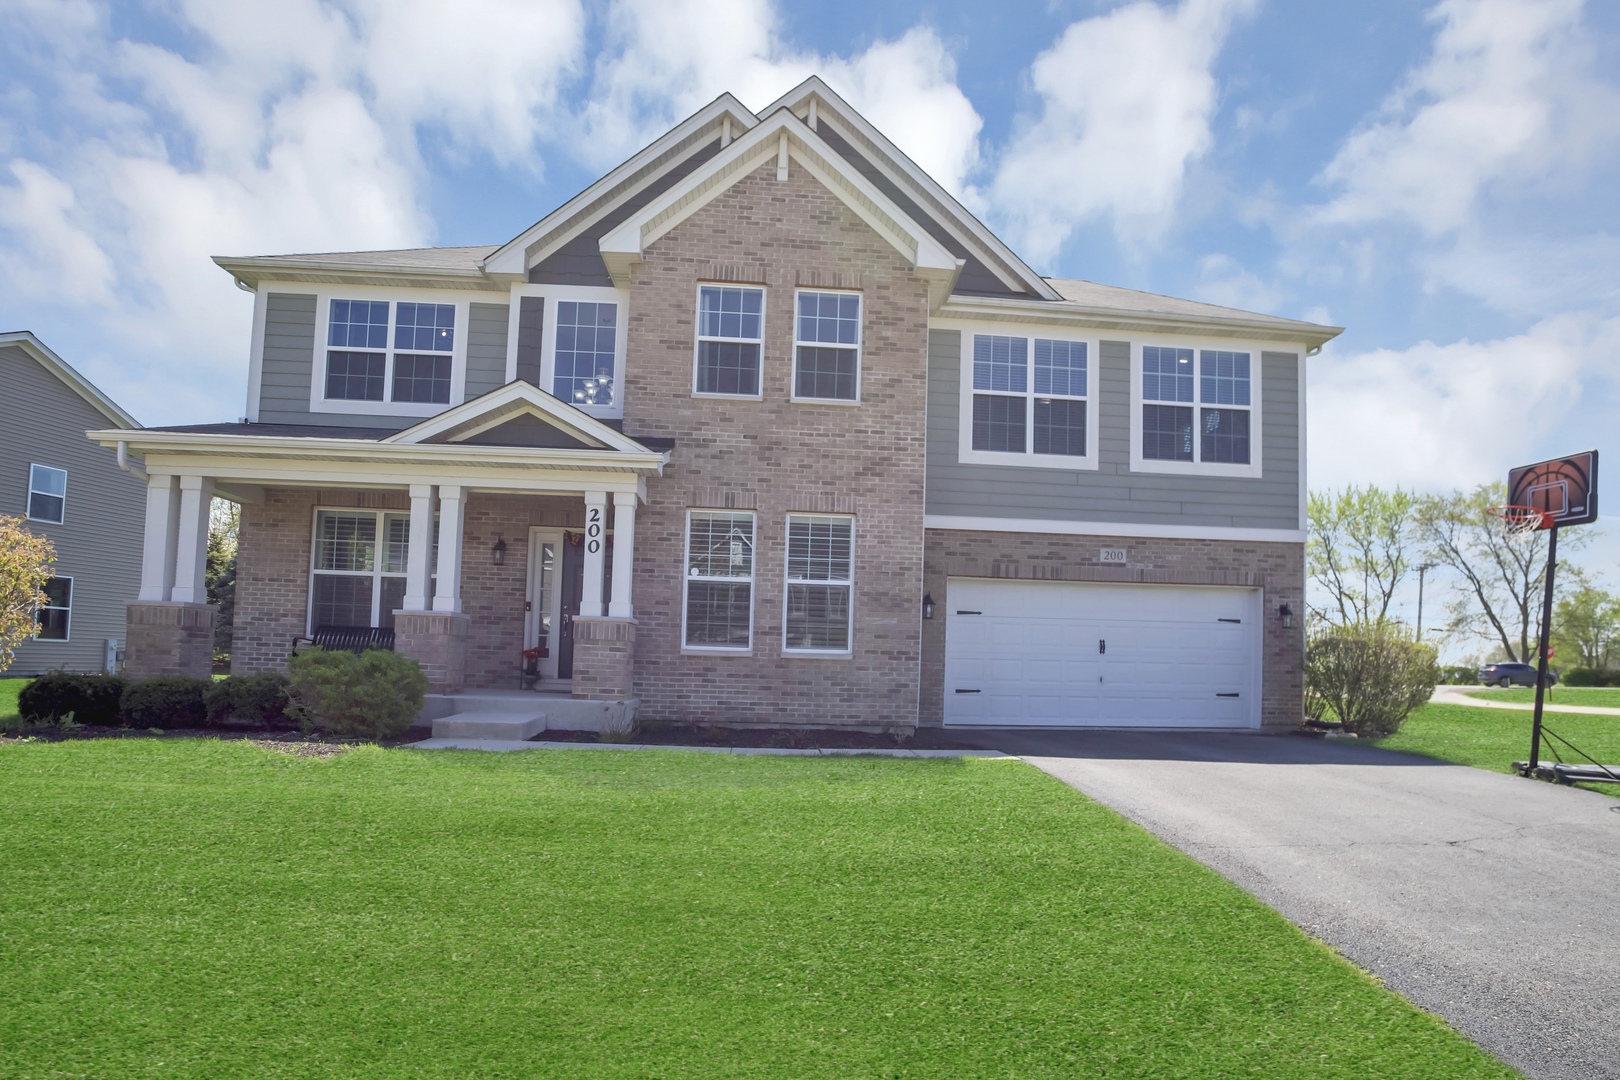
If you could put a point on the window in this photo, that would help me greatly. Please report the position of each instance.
(730, 336)
(1030, 402)
(587, 334)
(358, 577)
(1220, 433)
(719, 580)
(827, 347)
(358, 358)
(47, 494)
(56, 613)
(820, 579)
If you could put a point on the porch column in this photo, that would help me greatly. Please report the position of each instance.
(191, 541)
(420, 549)
(590, 604)
(624, 547)
(157, 552)
(447, 593)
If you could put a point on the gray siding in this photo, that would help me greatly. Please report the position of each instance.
(1112, 493)
(98, 544)
(486, 348)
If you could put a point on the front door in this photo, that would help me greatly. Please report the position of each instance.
(570, 590)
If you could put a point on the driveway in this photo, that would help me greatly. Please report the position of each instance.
(1491, 900)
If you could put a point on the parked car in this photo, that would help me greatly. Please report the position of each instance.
(1508, 674)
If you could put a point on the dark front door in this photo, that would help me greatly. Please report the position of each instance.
(573, 590)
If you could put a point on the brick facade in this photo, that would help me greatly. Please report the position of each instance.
(604, 659)
(1276, 568)
(169, 639)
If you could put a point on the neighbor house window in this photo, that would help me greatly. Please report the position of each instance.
(361, 365)
(820, 581)
(47, 494)
(730, 337)
(1215, 429)
(1030, 397)
(827, 347)
(587, 338)
(719, 601)
(358, 576)
(56, 614)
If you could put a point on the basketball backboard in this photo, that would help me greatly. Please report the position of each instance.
(1563, 489)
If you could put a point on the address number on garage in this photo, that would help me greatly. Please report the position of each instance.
(1111, 555)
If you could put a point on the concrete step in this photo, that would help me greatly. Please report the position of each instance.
(483, 724)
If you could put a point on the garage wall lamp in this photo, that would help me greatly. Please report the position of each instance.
(928, 605)
(498, 552)
(1287, 614)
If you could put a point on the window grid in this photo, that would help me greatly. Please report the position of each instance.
(1224, 377)
(425, 327)
(1167, 374)
(357, 576)
(730, 339)
(719, 581)
(820, 582)
(1222, 435)
(1225, 436)
(1167, 432)
(1029, 396)
(587, 343)
(422, 379)
(827, 346)
(56, 614)
(414, 370)
(47, 494)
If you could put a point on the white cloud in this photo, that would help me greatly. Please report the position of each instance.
(1454, 415)
(1509, 98)
(1126, 104)
(50, 254)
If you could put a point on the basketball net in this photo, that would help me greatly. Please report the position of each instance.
(1520, 523)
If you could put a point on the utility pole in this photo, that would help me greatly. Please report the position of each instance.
(1423, 568)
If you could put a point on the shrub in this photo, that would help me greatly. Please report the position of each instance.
(369, 695)
(165, 701)
(1370, 677)
(1459, 675)
(91, 699)
(254, 699)
(1585, 676)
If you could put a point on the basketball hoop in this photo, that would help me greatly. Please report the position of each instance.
(1519, 522)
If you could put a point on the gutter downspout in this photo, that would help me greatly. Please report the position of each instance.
(123, 460)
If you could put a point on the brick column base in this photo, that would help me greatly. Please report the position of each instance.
(604, 658)
(169, 639)
(438, 641)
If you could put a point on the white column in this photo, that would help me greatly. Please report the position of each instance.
(420, 549)
(157, 554)
(624, 549)
(191, 542)
(447, 591)
(590, 603)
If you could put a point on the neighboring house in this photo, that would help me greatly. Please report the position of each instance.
(762, 427)
(75, 494)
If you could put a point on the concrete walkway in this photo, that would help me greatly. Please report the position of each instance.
(1455, 695)
(1491, 900)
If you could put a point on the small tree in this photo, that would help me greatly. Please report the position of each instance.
(1586, 624)
(1371, 676)
(25, 566)
(1357, 552)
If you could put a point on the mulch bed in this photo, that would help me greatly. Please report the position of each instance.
(774, 738)
(281, 740)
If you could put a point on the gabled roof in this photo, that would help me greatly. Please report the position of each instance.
(455, 267)
(37, 349)
(503, 404)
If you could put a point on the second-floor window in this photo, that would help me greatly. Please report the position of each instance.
(587, 339)
(410, 364)
(827, 347)
(730, 337)
(1029, 401)
(47, 494)
(1200, 416)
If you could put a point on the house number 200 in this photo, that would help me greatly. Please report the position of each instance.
(593, 530)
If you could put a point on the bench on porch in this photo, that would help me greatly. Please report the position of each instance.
(352, 638)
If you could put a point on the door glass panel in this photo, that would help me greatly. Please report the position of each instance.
(543, 594)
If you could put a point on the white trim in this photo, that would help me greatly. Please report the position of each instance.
(698, 337)
(1029, 459)
(325, 294)
(28, 503)
(255, 389)
(67, 637)
(787, 582)
(860, 347)
(1111, 528)
(687, 577)
(1299, 406)
(571, 419)
(588, 294)
(1255, 468)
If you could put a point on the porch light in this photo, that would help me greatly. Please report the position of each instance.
(1287, 614)
(499, 551)
(928, 605)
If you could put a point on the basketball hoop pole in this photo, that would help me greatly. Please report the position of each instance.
(1541, 662)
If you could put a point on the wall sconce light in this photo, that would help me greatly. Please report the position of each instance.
(928, 605)
(1287, 614)
(499, 551)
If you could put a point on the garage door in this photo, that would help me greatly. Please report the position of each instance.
(1074, 654)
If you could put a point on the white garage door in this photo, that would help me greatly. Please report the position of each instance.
(1072, 654)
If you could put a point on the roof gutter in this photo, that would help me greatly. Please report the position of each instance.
(123, 460)
(1314, 335)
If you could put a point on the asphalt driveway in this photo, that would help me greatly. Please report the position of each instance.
(1488, 899)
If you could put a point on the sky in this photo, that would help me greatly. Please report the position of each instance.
(1435, 178)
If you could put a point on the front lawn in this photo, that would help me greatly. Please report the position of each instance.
(9, 689)
(190, 908)
(1602, 697)
(1495, 738)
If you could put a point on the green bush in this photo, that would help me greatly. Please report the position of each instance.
(1370, 677)
(253, 699)
(368, 695)
(91, 699)
(1459, 675)
(1585, 676)
(165, 701)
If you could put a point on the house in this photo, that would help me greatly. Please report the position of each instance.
(76, 494)
(762, 427)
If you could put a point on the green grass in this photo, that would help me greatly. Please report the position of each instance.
(9, 689)
(1495, 738)
(1603, 697)
(189, 908)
